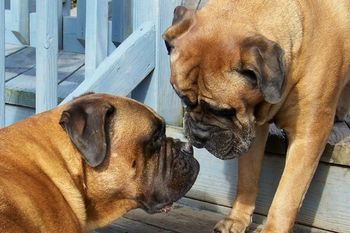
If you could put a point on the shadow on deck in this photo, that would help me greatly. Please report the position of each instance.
(181, 219)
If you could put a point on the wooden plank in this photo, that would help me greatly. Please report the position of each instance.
(17, 113)
(46, 59)
(70, 40)
(21, 90)
(2, 63)
(20, 20)
(81, 21)
(97, 28)
(12, 48)
(156, 90)
(180, 219)
(19, 62)
(336, 152)
(326, 205)
(121, 20)
(125, 225)
(258, 220)
(124, 68)
(60, 23)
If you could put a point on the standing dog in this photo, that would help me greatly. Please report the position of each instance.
(82, 165)
(239, 65)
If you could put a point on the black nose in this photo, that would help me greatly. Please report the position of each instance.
(187, 148)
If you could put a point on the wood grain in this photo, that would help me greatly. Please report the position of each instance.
(96, 44)
(156, 90)
(120, 72)
(47, 53)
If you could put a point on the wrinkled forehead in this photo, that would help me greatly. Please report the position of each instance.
(140, 113)
(207, 45)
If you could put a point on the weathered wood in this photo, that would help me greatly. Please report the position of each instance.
(12, 48)
(81, 21)
(258, 220)
(125, 225)
(181, 219)
(20, 20)
(337, 150)
(70, 40)
(21, 90)
(156, 90)
(60, 23)
(46, 59)
(19, 62)
(96, 44)
(2, 63)
(326, 205)
(121, 20)
(17, 113)
(125, 67)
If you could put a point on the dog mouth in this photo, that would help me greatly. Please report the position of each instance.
(158, 208)
(225, 143)
(172, 178)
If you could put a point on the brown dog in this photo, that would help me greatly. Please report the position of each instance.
(239, 65)
(82, 165)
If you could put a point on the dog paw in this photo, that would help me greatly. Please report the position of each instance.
(228, 225)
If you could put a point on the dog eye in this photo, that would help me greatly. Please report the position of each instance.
(169, 47)
(250, 76)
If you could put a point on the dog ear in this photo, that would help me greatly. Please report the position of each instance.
(182, 20)
(87, 122)
(264, 58)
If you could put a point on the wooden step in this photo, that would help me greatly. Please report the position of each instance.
(20, 74)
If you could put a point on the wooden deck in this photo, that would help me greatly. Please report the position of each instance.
(182, 219)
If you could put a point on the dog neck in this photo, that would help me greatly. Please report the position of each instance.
(56, 159)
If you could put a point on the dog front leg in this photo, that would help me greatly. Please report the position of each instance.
(302, 159)
(249, 166)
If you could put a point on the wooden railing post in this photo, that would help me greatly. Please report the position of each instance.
(20, 20)
(2, 63)
(96, 43)
(156, 90)
(121, 20)
(46, 54)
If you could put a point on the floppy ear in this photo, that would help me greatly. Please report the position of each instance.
(182, 20)
(265, 59)
(86, 123)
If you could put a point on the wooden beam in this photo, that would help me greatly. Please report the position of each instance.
(96, 44)
(2, 63)
(126, 67)
(81, 20)
(156, 90)
(46, 54)
(20, 20)
(67, 4)
(121, 20)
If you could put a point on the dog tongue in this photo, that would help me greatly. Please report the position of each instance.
(166, 209)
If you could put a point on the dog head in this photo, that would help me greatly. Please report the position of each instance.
(222, 70)
(127, 155)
